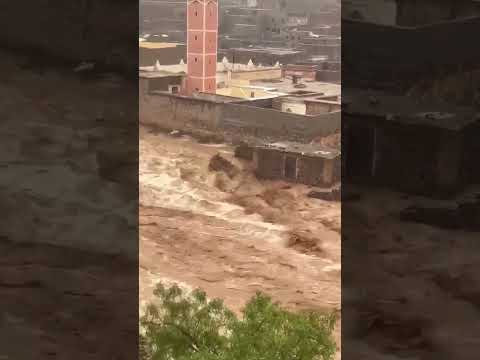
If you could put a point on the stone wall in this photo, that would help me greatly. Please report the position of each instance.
(235, 120)
(271, 124)
(179, 113)
(104, 31)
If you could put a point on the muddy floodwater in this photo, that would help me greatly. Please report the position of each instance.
(232, 236)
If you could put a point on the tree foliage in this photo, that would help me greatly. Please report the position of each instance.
(192, 327)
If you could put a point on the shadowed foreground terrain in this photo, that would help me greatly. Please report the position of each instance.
(66, 184)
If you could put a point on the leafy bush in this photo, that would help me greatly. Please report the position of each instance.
(191, 327)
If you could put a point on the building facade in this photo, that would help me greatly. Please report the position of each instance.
(202, 35)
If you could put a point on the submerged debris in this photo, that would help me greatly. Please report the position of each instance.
(218, 163)
(244, 151)
(334, 194)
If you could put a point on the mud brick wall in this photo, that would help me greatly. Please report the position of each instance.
(316, 171)
(310, 170)
(179, 113)
(275, 125)
(235, 120)
(269, 164)
(104, 31)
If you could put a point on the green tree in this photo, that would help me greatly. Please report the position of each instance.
(192, 327)
(185, 327)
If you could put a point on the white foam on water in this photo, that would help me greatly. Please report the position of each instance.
(164, 187)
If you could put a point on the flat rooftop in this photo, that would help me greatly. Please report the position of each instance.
(158, 74)
(403, 109)
(288, 87)
(312, 150)
(273, 51)
(158, 45)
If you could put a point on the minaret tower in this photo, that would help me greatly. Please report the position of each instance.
(202, 38)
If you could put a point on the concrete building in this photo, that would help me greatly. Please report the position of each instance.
(202, 35)
(164, 81)
(166, 53)
(415, 147)
(307, 104)
(305, 72)
(234, 80)
(308, 164)
(263, 55)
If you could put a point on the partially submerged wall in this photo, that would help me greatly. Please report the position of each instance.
(236, 120)
(268, 123)
(104, 31)
(308, 170)
(179, 113)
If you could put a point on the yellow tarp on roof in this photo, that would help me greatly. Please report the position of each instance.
(155, 45)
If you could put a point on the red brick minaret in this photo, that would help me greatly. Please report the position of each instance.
(202, 33)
